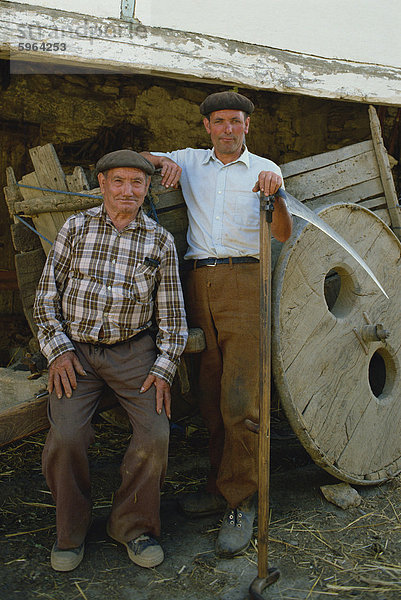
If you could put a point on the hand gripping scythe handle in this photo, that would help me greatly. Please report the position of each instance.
(266, 576)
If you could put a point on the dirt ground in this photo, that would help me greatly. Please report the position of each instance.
(321, 550)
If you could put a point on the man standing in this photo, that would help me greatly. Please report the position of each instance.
(110, 270)
(220, 189)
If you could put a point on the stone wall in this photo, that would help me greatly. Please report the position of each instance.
(87, 115)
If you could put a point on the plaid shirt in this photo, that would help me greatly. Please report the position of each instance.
(97, 277)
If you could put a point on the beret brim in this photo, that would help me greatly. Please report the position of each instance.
(226, 101)
(124, 158)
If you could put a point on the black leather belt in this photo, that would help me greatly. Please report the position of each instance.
(212, 262)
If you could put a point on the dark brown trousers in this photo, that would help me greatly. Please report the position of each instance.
(136, 504)
(224, 301)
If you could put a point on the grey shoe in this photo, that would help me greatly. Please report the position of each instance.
(66, 560)
(202, 504)
(144, 550)
(236, 529)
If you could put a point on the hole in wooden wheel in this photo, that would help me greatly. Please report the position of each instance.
(382, 373)
(339, 291)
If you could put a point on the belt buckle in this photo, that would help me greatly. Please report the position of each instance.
(215, 263)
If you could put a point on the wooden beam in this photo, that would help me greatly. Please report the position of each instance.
(393, 206)
(318, 161)
(55, 203)
(23, 420)
(114, 45)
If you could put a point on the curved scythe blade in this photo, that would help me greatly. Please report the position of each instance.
(298, 209)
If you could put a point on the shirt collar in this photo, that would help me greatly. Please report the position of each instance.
(211, 155)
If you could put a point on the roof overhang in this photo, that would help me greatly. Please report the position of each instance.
(128, 47)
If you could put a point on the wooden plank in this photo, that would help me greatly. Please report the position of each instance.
(383, 214)
(165, 199)
(49, 174)
(45, 224)
(23, 238)
(334, 177)
(23, 420)
(310, 163)
(29, 266)
(58, 219)
(67, 214)
(16, 387)
(47, 168)
(77, 181)
(30, 179)
(385, 172)
(355, 194)
(176, 222)
(374, 203)
(17, 390)
(358, 192)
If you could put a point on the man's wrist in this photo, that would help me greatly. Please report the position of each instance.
(163, 373)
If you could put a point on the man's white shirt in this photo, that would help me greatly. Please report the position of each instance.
(223, 212)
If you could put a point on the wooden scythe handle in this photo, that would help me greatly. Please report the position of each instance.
(264, 389)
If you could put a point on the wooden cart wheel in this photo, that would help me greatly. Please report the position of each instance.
(337, 375)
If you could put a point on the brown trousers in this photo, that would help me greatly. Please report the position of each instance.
(224, 301)
(136, 504)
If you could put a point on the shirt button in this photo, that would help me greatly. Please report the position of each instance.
(219, 192)
(217, 218)
(113, 261)
(109, 287)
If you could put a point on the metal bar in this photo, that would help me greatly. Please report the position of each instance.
(127, 9)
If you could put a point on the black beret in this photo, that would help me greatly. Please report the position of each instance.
(226, 100)
(124, 158)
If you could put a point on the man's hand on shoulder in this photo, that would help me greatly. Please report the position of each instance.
(163, 393)
(170, 171)
(62, 376)
(268, 182)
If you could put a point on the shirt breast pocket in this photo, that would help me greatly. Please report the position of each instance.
(144, 283)
(246, 210)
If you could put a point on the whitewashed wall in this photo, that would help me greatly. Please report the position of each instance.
(96, 8)
(364, 31)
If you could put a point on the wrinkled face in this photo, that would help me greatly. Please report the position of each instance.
(124, 190)
(227, 129)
